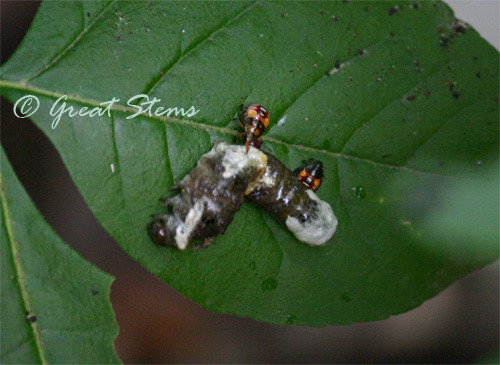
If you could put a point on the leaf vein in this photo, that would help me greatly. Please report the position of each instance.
(393, 101)
(18, 267)
(207, 127)
(115, 148)
(440, 127)
(168, 160)
(323, 77)
(195, 46)
(71, 45)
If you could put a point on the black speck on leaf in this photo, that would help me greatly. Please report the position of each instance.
(393, 10)
(31, 319)
(478, 75)
(95, 292)
(410, 97)
(346, 297)
(88, 14)
(456, 94)
(444, 40)
(459, 27)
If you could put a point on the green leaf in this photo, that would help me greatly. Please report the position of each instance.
(381, 92)
(468, 213)
(55, 305)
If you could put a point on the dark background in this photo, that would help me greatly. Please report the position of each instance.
(159, 325)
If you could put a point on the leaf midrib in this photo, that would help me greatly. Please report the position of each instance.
(20, 86)
(20, 274)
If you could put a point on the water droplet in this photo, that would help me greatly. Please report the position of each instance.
(345, 297)
(360, 193)
(269, 284)
(290, 319)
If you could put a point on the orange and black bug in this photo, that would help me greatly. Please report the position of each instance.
(311, 175)
(254, 119)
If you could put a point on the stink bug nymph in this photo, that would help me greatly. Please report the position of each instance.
(254, 119)
(311, 175)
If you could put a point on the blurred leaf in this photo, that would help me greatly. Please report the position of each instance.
(55, 305)
(376, 90)
(467, 214)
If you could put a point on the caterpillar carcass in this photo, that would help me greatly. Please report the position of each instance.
(209, 196)
(309, 218)
(215, 189)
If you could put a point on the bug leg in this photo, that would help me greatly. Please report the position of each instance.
(157, 216)
(242, 106)
(176, 186)
(206, 242)
(239, 115)
(239, 135)
(166, 201)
